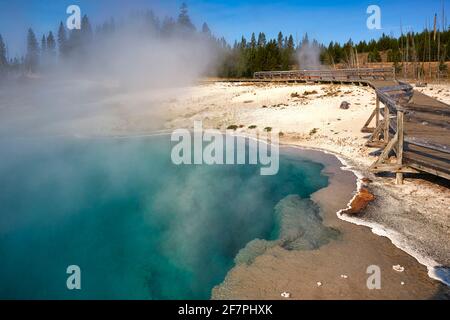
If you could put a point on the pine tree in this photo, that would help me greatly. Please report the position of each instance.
(43, 45)
(305, 40)
(62, 40)
(206, 30)
(32, 57)
(184, 21)
(44, 52)
(374, 56)
(51, 44)
(168, 27)
(280, 41)
(288, 53)
(243, 43)
(273, 57)
(51, 48)
(3, 59)
(86, 30)
(74, 42)
(151, 21)
(262, 39)
(290, 43)
(253, 41)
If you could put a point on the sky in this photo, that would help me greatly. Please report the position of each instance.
(324, 20)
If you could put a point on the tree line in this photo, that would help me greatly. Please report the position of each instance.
(425, 46)
(46, 51)
(241, 59)
(246, 57)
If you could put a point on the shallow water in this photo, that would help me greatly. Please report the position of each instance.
(138, 226)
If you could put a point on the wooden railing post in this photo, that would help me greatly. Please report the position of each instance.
(386, 124)
(377, 114)
(400, 135)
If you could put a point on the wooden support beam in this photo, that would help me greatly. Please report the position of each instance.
(394, 168)
(374, 139)
(385, 154)
(377, 110)
(386, 124)
(366, 128)
(399, 175)
(375, 144)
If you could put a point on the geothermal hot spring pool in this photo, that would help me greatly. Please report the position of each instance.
(138, 226)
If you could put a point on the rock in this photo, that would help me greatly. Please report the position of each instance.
(345, 105)
(398, 268)
(319, 284)
(360, 202)
(366, 180)
(286, 295)
(344, 276)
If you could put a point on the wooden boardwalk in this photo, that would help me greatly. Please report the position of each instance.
(411, 129)
(414, 127)
(347, 75)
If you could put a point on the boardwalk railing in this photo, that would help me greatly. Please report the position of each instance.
(414, 127)
(339, 75)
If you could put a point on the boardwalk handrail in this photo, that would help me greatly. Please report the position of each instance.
(360, 74)
(392, 102)
(420, 146)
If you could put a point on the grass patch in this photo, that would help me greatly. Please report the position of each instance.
(313, 131)
(308, 93)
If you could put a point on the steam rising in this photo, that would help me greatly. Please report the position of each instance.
(115, 83)
(309, 55)
(66, 189)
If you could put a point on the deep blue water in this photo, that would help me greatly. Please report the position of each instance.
(138, 226)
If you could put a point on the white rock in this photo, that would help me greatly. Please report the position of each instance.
(286, 295)
(398, 268)
(402, 283)
(344, 276)
(319, 284)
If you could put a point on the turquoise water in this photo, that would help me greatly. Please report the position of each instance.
(138, 226)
